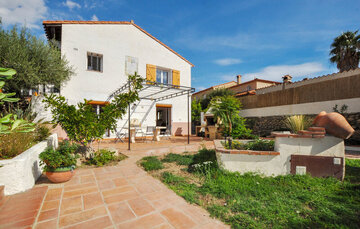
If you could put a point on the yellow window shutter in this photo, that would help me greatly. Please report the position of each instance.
(150, 72)
(176, 77)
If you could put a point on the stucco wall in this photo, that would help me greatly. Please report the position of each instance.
(280, 165)
(21, 172)
(115, 42)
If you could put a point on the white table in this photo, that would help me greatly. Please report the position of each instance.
(133, 131)
(156, 132)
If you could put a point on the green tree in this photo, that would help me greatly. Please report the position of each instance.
(36, 62)
(345, 51)
(215, 93)
(82, 124)
(195, 111)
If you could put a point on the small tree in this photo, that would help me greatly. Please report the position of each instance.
(205, 102)
(195, 111)
(82, 124)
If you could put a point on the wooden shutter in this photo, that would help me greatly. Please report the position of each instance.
(151, 73)
(176, 77)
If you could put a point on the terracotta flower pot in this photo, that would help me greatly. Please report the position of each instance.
(60, 176)
(334, 124)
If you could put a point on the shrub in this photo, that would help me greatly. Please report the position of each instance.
(258, 144)
(64, 156)
(14, 144)
(41, 132)
(104, 157)
(297, 122)
(239, 129)
(151, 163)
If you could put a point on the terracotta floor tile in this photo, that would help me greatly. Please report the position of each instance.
(53, 194)
(18, 223)
(52, 204)
(87, 179)
(140, 206)
(80, 192)
(79, 186)
(118, 190)
(73, 181)
(17, 216)
(120, 181)
(79, 217)
(164, 226)
(106, 184)
(148, 221)
(47, 224)
(49, 214)
(178, 219)
(101, 222)
(71, 205)
(121, 197)
(121, 212)
(92, 200)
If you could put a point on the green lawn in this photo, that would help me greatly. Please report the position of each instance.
(252, 201)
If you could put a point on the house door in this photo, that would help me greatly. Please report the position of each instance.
(163, 117)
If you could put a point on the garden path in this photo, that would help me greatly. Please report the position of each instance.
(121, 196)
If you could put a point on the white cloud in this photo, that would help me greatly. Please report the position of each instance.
(228, 77)
(71, 5)
(24, 12)
(275, 72)
(94, 18)
(227, 61)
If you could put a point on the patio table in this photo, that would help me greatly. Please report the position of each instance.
(132, 132)
(156, 132)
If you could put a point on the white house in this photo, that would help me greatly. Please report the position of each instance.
(103, 53)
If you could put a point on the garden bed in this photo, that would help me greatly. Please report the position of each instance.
(20, 173)
(254, 201)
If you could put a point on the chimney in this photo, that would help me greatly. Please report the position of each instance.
(238, 79)
(132, 21)
(287, 79)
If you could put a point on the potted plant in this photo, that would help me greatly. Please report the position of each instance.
(59, 164)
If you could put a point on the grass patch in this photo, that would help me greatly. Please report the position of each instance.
(179, 159)
(253, 201)
(151, 163)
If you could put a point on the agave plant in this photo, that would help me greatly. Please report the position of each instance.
(297, 122)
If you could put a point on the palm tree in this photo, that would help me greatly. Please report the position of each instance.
(225, 109)
(345, 51)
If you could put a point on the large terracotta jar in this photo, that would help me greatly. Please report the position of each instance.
(334, 124)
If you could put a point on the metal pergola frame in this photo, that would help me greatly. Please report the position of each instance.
(156, 92)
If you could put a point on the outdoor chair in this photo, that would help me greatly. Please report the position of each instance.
(119, 136)
(149, 132)
(167, 133)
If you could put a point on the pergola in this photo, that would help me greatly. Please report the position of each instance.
(156, 92)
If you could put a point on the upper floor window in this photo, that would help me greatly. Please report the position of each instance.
(95, 62)
(163, 76)
(248, 88)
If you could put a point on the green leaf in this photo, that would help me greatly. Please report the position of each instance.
(11, 100)
(2, 83)
(7, 72)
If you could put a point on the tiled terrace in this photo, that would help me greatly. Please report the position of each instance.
(121, 196)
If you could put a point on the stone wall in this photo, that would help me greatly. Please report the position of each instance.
(263, 126)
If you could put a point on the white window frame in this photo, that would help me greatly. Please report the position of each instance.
(169, 71)
(99, 58)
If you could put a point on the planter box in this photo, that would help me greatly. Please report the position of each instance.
(21, 172)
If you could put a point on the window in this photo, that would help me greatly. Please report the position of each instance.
(248, 88)
(95, 62)
(163, 76)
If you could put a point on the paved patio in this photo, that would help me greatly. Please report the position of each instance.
(122, 196)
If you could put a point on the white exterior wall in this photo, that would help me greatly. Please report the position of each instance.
(21, 172)
(280, 164)
(303, 108)
(115, 42)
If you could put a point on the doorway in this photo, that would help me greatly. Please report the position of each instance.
(163, 117)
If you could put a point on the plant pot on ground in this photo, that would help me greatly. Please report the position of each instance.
(59, 164)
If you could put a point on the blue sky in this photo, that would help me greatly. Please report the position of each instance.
(263, 39)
